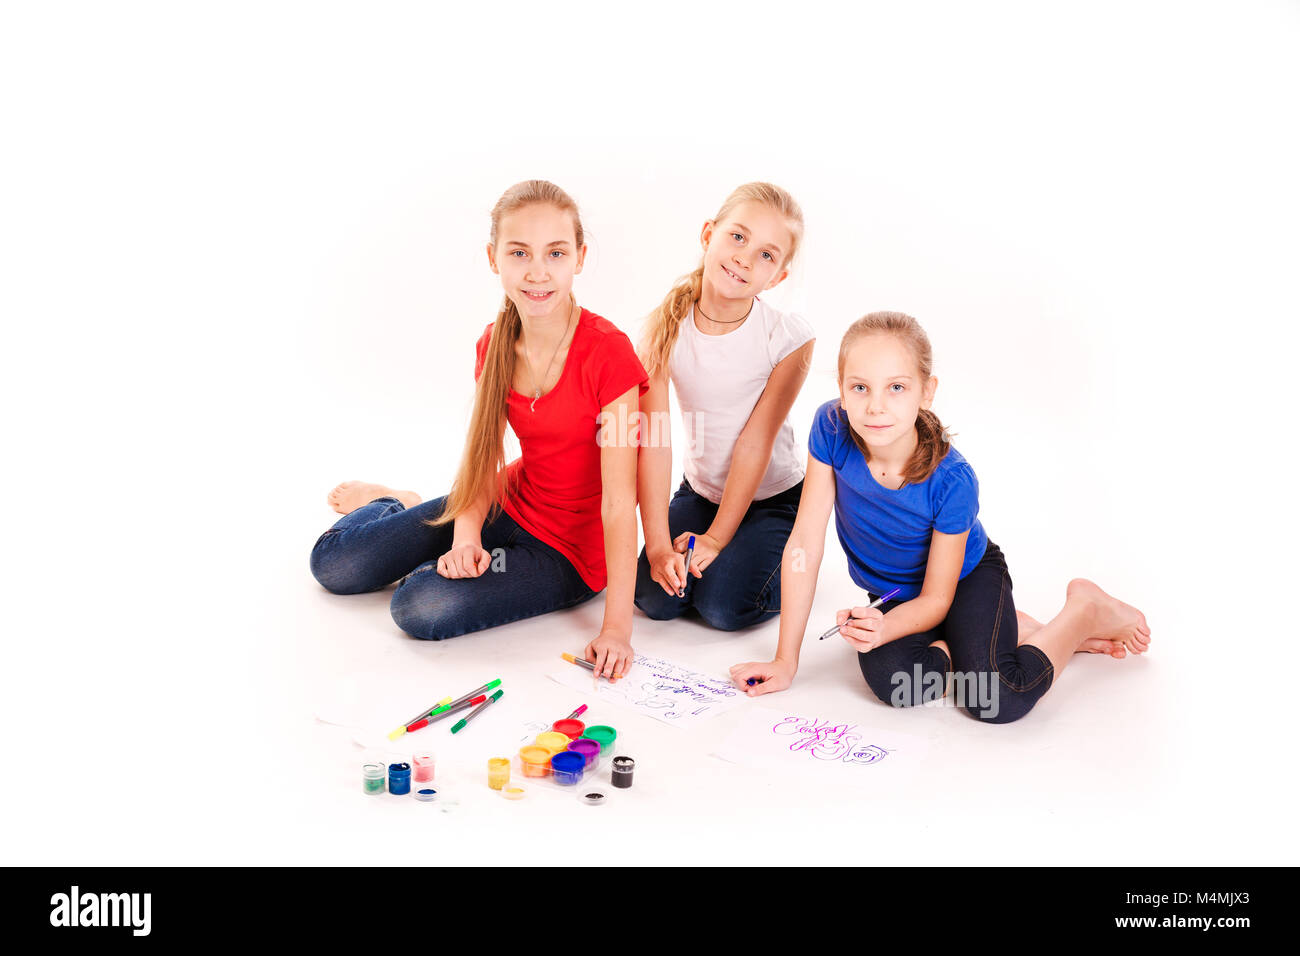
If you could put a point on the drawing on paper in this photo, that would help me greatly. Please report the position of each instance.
(824, 740)
(663, 690)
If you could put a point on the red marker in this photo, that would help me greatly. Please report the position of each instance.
(454, 708)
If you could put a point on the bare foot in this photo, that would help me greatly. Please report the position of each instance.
(1117, 623)
(1025, 626)
(351, 495)
(1099, 645)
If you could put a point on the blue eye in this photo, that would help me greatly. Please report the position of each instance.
(738, 237)
(897, 386)
(856, 387)
(518, 252)
(557, 253)
(768, 256)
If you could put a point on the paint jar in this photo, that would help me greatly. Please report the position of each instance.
(423, 768)
(536, 761)
(603, 735)
(372, 778)
(498, 772)
(427, 795)
(399, 778)
(552, 741)
(589, 749)
(566, 767)
(620, 774)
(570, 727)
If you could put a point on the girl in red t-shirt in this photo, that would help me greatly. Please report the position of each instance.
(550, 529)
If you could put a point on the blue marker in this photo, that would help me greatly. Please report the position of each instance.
(876, 603)
(690, 553)
(754, 680)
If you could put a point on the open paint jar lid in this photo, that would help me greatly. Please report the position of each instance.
(512, 792)
(427, 795)
(592, 796)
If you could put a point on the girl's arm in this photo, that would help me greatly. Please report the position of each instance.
(612, 649)
(870, 628)
(751, 456)
(654, 488)
(800, 563)
(467, 559)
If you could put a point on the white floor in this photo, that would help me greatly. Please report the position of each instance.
(212, 320)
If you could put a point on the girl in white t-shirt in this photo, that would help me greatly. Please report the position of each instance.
(737, 365)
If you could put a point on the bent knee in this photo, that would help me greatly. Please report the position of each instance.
(338, 574)
(425, 612)
(657, 605)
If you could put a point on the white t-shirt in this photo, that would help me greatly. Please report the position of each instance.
(719, 379)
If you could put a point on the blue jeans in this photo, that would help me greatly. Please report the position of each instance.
(743, 584)
(981, 631)
(384, 541)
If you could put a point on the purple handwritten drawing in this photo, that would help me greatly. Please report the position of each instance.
(824, 740)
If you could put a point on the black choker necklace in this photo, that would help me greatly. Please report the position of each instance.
(728, 321)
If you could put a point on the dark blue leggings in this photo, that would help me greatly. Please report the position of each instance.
(743, 584)
(993, 679)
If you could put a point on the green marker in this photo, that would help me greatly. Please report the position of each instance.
(474, 693)
(476, 711)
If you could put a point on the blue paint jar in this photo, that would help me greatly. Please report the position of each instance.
(566, 767)
(399, 778)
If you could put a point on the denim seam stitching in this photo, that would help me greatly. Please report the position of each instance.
(997, 627)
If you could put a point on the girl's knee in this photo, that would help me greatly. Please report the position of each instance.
(900, 687)
(657, 605)
(336, 572)
(424, 613)
(726, 615)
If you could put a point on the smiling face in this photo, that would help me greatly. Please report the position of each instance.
(745, 250)
(882, 392)
(536, 254)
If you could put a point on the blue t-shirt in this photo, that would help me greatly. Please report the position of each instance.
(886, 532)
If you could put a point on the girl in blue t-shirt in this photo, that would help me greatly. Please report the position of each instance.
(906, 505)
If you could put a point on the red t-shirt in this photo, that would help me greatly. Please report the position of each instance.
(557, 476)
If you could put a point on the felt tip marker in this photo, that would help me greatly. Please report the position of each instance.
(876, 603)
(581, 663)
(407, 726)
(456, 727)
(690, 553)
(755, 680)
(475, 692)
(437, 715)
(577, 713)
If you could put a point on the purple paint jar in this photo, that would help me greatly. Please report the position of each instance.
(589, 749)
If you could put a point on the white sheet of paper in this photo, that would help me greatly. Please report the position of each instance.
(813, 744)
(660, 689)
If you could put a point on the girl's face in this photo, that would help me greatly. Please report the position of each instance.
(745, 250)
(536, 255)
(882, 391)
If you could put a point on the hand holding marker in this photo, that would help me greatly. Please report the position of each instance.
(690, 553)
(584, 663)
(876, 603)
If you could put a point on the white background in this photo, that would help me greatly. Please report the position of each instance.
(241, 259)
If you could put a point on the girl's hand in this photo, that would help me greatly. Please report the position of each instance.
(862, 627)
(706, 549)
(611, 652)
(467, 560)
(769, 677)
(668, 569)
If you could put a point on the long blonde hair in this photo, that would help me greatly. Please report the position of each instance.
(666, 321)
(933, 440)
(483, 463)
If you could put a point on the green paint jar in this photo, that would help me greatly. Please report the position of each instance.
(372, 777)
